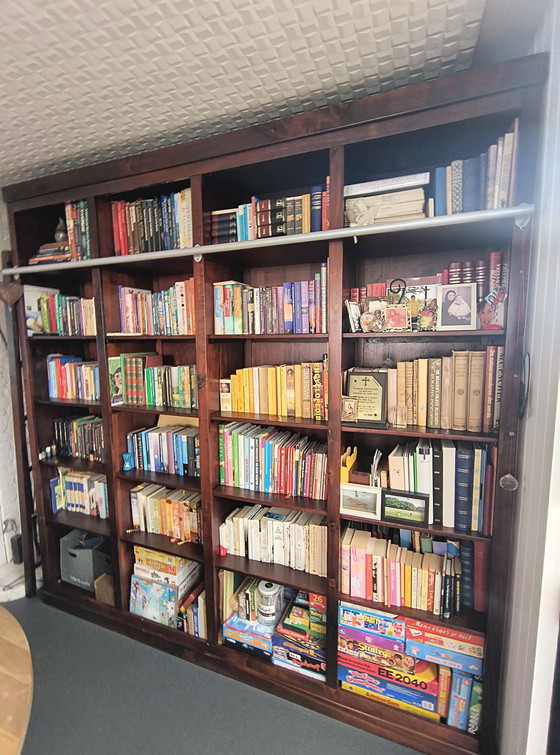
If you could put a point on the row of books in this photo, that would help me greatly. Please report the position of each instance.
(79, 437)
(163, 587)
(69, 377)
(79, 492)
(416, 666)
(161, 313)
(172, 449)
(280, 216)
(299, 307)
(161, 511)
(457, 476)
(376, 569)
(140, 378)
(77, 226)
(482, 182)
(271, 461)
(152, 225)
(47, 311)
(287, 390)
(458, 392)
(275, 535)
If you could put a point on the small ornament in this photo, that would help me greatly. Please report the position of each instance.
(60, 233)
(128, 462)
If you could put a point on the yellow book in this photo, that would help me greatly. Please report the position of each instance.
(272, 402)
(422, 393)
(246, 394)
(408, 579)
(306, 390)
(240, 390)
(290, 391)
(305, 213)
(298, 389)
(425, 581)
(233, 391)
(282, 391)
(254, 390)
(263, 389)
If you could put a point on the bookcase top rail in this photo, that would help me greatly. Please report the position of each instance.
(441, 221)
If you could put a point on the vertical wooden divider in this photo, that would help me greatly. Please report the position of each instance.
(203, 292)
(334, 320)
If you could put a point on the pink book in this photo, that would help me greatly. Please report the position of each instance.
(358, 563)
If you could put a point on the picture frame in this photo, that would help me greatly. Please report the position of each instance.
(397, 318)
(349, 409)
(404, 507)
(456, 307)
(354, 313)
(360, 500)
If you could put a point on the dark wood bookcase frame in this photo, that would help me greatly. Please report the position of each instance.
(408, 129)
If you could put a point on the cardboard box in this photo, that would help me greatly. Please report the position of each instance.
(387, 688)
(374, 622)
(105, 589)
(444, 657)
(369, 638)
(299, 655)
(80, 565)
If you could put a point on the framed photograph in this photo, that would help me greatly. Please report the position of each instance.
(456, 307)
(360, 500)
(397, 318)
(402, 507)
(354, 314)
(349, 409)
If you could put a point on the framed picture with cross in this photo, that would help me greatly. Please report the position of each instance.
(369, 387)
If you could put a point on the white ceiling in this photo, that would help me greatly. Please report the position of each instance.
(84, 81)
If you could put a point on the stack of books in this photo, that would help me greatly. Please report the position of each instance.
(152, 225)
(69, 377)
(163, 587)
(174, 513)
(173, 449)
(299, 307)
(57, 251)
(80, 492)
(224, 226)
(163, 313)
(287, 390)
(80, 438)
(271, 461)
(277, 535)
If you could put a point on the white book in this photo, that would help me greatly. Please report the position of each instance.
(425, 474)
(448, 483)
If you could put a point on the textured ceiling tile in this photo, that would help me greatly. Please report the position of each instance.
(89, 80)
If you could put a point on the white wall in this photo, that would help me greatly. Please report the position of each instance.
(9, 507)
(536, 575)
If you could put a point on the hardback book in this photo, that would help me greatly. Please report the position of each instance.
(475, 400)
(448, 451)
(464, 474)
(434, 393)
(460, 390)
(446, 393)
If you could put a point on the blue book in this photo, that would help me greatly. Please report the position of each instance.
(288, 309)
(471, 184)
(316, 208)
(467, 575)
(440, 194)
(464, 473)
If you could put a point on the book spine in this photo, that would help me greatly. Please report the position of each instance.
(475, 400)
(460, 389)
(464, 473)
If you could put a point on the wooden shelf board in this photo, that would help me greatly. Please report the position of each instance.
(163, 543)
(56, 337)
(469, 621)
(429, 334)
(145, 337)
(152, 409)
(434, 529)
(242, 495)
(161, 631)
(282, 575)
(269, 419)
(169, 480)
(70, 462)
(68, 402)
(78, 521)
(271, 337)
(415, 431)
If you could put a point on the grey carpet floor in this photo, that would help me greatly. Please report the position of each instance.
(98, 693)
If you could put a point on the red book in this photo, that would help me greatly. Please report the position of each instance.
(481, 564)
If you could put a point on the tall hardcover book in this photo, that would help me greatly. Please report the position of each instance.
(464, 473)
(434, 393)
(460, 389)
(475, 400)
